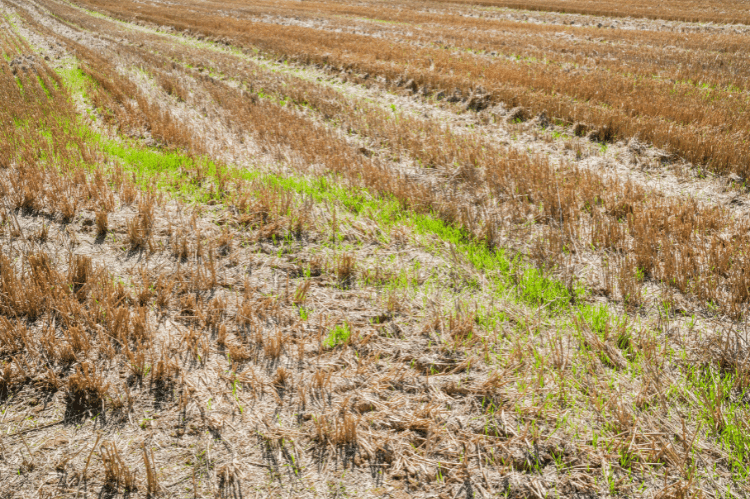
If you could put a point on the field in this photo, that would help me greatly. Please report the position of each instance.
(460, 249)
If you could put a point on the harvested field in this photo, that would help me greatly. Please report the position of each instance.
(343, 249)
(731, 11)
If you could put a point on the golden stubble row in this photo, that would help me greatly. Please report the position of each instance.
(706, 128)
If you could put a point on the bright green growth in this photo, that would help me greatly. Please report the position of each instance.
(165, 170)
(304, 313)
(76, 81)
(725, 415)
(597, 317)
(338, 335)
(169, 171)
(537, 289)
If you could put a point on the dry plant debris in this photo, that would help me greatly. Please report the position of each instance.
(339, 249)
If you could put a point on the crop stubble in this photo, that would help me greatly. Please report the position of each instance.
(78, 327)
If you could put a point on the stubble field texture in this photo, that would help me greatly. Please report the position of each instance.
(337, 248)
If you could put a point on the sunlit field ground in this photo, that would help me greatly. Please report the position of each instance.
(365, 249)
